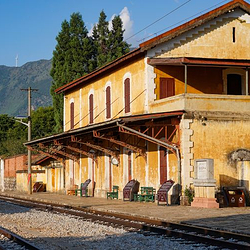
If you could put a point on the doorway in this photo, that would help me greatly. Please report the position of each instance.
(234, 84)
(234, 81)
(163, 165)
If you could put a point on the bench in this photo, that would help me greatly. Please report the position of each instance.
(83, 190)
(72, 189)
(146, 194)
(114, 193)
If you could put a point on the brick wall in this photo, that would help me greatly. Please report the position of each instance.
(14, 163)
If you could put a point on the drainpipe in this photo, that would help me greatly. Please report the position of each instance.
(161, 143)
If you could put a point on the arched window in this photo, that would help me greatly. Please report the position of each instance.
(127, 95)
(91, 108)
(108, 102)
(72, 122)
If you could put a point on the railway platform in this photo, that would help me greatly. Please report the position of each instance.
(234, 219)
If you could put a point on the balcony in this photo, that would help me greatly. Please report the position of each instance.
(203, 102)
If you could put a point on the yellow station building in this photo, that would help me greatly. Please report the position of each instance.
(179, 97)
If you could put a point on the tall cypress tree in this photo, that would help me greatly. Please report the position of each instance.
(59, 67)
(102, 34)
(117, 47)
(71, 59)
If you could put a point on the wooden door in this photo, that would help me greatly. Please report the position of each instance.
(163, 165)
(129, 166)
(110, 174)
(167, 87)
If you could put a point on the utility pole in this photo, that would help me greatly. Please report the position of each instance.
(29, 90)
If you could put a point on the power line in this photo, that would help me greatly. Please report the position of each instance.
(159, 19)
(188, 18)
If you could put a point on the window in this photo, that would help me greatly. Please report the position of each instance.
(167, 87)
(233, 34)
(127, 95)
(91, 108)
(108, 102)
(72, 122)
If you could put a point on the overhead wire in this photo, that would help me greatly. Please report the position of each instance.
(158, 19)
(183, 20)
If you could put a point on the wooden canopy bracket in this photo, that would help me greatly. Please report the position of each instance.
(138, 150)
(80, 151)
(97, 147)
(47, 154)
(70, 156)
(170, 147)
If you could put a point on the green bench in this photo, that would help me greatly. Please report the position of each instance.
(146, 194)
(83, 190)
(114, 193)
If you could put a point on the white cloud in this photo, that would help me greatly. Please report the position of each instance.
(91, 29)
(127, 23)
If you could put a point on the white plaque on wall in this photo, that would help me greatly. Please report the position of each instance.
(202, 170)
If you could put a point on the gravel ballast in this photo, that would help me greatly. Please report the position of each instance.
(49, 230)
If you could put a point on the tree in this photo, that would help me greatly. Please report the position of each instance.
(72, 58)
(76, 54)
(101, 37)
(43, 122)
(58, 72)
(117, 47)
(14, 134)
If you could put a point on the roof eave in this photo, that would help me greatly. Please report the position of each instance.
(99, 71)
(194, 23)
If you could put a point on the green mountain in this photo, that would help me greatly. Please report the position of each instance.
(36, 75)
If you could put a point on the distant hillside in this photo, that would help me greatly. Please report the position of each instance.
(13, 101)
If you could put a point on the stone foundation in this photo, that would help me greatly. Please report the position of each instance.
(10, 183)
(205, 202)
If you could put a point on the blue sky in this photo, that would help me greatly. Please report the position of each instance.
(29, 27)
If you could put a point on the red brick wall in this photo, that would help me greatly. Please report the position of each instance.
(14, 163)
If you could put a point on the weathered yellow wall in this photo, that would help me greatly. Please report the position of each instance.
(21, 180)
(137, 82)
(216, 140)
(215, 42)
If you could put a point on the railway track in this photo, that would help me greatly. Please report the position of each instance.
(219, 238)
(13, 240)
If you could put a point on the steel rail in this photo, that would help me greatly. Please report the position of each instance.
(187, 232)
(17, 239)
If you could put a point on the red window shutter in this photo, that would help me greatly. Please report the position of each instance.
(72, 115)
(91, 108)
(167, 87)
(127, 95)
(108, 103)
